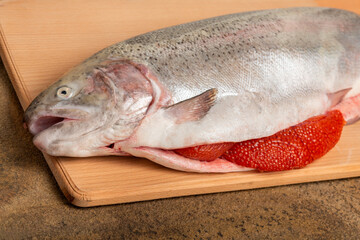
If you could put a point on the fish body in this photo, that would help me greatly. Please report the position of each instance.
(225, 79)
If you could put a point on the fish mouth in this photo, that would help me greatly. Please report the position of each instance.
(43, 123)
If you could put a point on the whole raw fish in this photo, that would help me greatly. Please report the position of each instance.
(227, 79)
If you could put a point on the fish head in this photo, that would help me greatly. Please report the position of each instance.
(89, 109)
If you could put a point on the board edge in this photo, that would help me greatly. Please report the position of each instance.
(11, 69)
(84, 199)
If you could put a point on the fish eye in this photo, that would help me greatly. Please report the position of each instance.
(64, 92)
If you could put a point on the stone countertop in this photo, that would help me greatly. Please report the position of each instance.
(32, 205)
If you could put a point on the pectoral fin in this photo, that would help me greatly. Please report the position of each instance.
(192, 109)
(338, 96)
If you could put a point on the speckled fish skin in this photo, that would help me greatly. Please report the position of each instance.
(246, 51)
(272, 69)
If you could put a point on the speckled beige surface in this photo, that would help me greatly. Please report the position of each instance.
(32, 205)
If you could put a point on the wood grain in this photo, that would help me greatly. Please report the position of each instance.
(42, 39)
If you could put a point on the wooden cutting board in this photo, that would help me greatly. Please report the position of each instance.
(42, 39)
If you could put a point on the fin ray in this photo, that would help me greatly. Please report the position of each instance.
(193, 109)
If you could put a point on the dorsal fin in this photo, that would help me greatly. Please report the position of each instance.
(192, 109)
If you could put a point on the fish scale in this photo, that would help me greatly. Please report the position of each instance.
(287, 62)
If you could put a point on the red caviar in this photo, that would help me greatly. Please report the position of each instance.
(208, 152)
